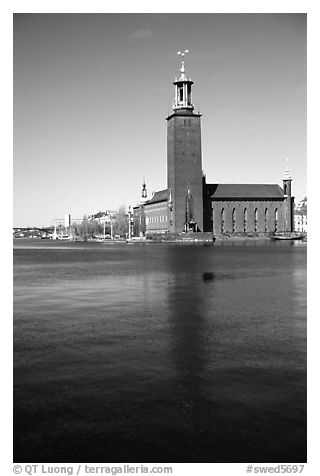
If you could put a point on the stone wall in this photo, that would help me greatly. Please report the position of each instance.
(182, 237)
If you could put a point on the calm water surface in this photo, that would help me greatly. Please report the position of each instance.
(159, 352)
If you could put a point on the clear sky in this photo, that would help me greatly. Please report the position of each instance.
(92, 91)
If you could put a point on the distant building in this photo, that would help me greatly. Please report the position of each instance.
(67, 220)
(300, 216)
(190, 204)
(104, 217)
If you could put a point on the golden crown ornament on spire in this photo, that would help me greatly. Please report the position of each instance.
(182, 70)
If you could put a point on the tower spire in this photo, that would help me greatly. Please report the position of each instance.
(144, 189)
(182, 70)
(287, 175)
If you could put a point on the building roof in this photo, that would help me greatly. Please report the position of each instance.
(245, 191)
(301, 212)
(160, 196)
(302, 206)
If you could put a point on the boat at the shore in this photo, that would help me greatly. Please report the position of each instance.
(288, 237)
(136, 239)
(64, 237)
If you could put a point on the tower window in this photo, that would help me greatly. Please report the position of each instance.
(245, 219)
(256, 220)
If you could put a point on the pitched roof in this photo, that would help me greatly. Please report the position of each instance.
(160, 196)
(301, 212)
(240, 190)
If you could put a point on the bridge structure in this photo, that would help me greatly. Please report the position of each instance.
(32, 230)
(61, 225)
(48, 229)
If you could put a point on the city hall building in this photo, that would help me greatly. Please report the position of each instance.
(189, 204)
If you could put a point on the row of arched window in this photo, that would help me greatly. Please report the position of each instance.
(156, 219)
(245, 219)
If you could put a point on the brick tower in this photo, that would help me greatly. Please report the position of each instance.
(184, 168)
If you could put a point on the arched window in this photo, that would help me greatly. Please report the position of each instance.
(256, 219)
(222, 220)
(276, 220)
(189, 208)
(266, 220)
(233, 220)
(245, 219)
(285, 189)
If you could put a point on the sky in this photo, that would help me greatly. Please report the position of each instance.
(92, 93)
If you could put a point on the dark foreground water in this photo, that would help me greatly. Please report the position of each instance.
(159, 353)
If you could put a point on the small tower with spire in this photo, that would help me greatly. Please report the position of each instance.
(139, 215)
(144, 190)
(184, 163)
(287, 179)
(288, 199)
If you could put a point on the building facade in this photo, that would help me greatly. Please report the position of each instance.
(250, 208)
(301, 217)
(190, 204)
(152, 216)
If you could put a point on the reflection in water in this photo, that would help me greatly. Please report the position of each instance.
(188, 357)
(207, 277)
(159, 353)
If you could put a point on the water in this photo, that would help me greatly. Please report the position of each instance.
(159, 352)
